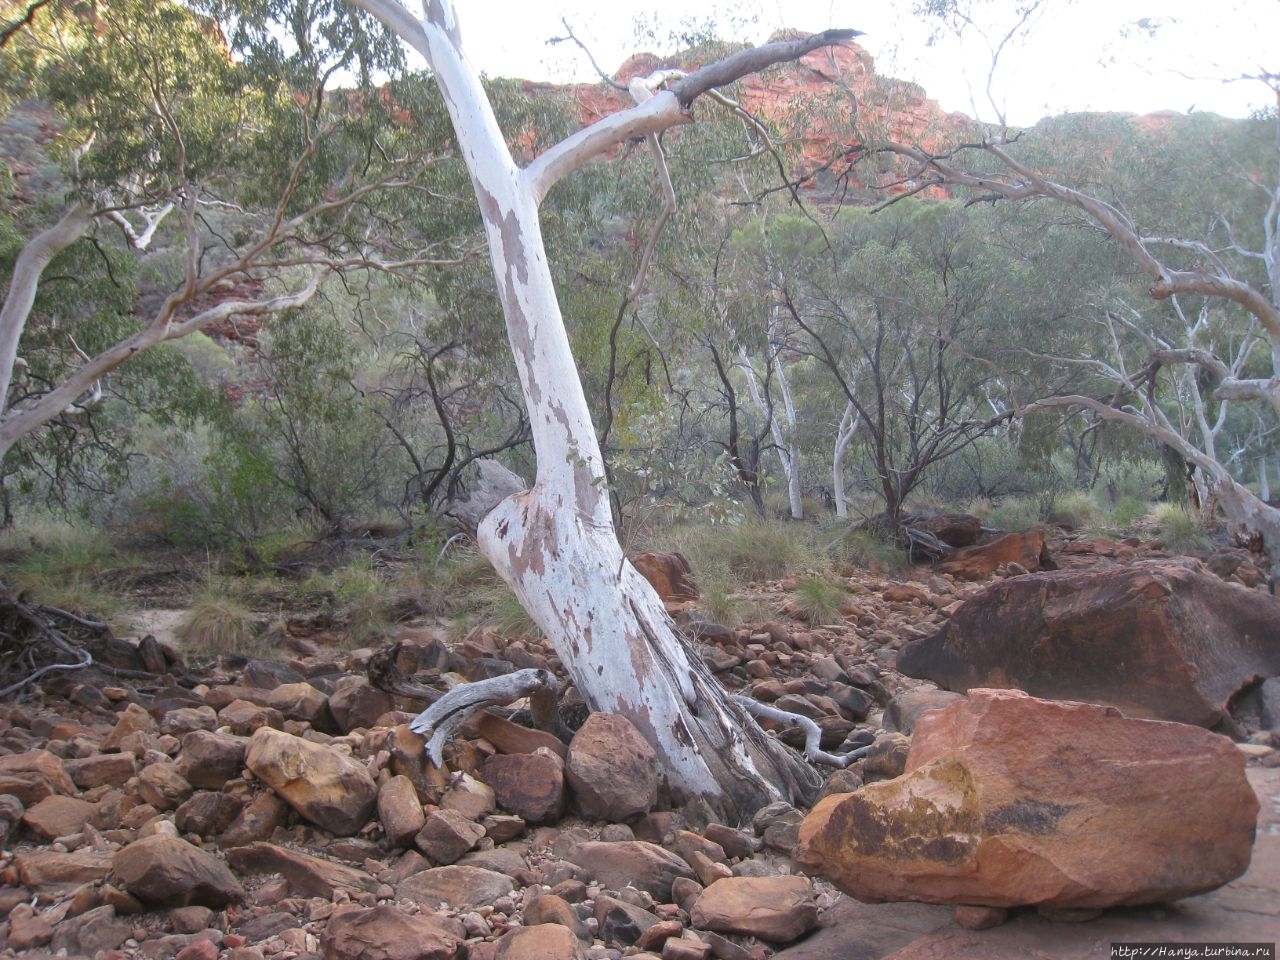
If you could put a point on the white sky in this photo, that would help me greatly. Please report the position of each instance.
(1076, 55)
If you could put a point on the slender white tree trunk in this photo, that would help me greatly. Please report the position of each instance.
(844, 435)
(1264, 484)
(783, 442)
(555, 544)
(27, 270)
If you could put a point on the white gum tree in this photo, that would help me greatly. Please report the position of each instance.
(555, 544)
(1217, 274)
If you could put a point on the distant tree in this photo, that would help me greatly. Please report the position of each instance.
(1217, 271)
(244, 182)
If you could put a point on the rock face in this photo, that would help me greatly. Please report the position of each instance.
(1008, 800)
(325, 787)
(1159, 639)
(612, 769)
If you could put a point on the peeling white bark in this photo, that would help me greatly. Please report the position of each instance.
(27, 270)
(555, 544)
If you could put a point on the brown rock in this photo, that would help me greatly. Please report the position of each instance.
(207, 813)
(35, 764)
(456, 886)
(510, 737)
(643, 865)
(244, 717)
(58, 816)
(162, 786)
(409, 759)
(734, 843)
(170, 872)
(385, 933)
(470, 797)
(681, 948)
(980, 918)
(620, 924)
(906, 707)
(1008, 800)
(91, 933)
(133, 719)
(953, 529)
(325, 787)
(545, 941)
(550, 908)
(669, 574)
(184, 720)
(27, 928)
(777, 909)
(208, 760)
(1028, 549)
(612, 769)
(400, 811)
(45, 868)
(308, 876)
(355, 703)
(1188, 643)
(301, 701)
(447, 835)
(101, 769)
(530, 785)
(257, 821)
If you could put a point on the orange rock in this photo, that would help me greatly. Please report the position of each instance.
(1027, 549)
(1008, 800)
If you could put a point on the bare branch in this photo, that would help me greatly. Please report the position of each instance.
(439, 721)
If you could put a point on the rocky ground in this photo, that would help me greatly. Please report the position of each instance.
(285, 810)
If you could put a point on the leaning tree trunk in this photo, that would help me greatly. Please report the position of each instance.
(555, 544)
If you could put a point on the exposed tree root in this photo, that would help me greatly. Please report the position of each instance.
(812, 733)
(36, 640)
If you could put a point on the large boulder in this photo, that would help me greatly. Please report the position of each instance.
(1008, 800)
(1027, 549)
(1160, 639)
(325, 787)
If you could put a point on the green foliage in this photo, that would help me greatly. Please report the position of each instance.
(819, 599)
(1074, 509)
(502, 613)
(1128, 510)
(60, 565)
(1012, 514)
(1181, 530)
(363, 599)
(217, 623)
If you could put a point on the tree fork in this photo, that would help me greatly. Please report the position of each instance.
(555, 544)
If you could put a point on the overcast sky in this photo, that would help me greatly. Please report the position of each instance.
(1080, 55)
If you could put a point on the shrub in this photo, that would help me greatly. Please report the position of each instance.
(1180, 529)
(217, 624)
(819, 599)
(1014, 513)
